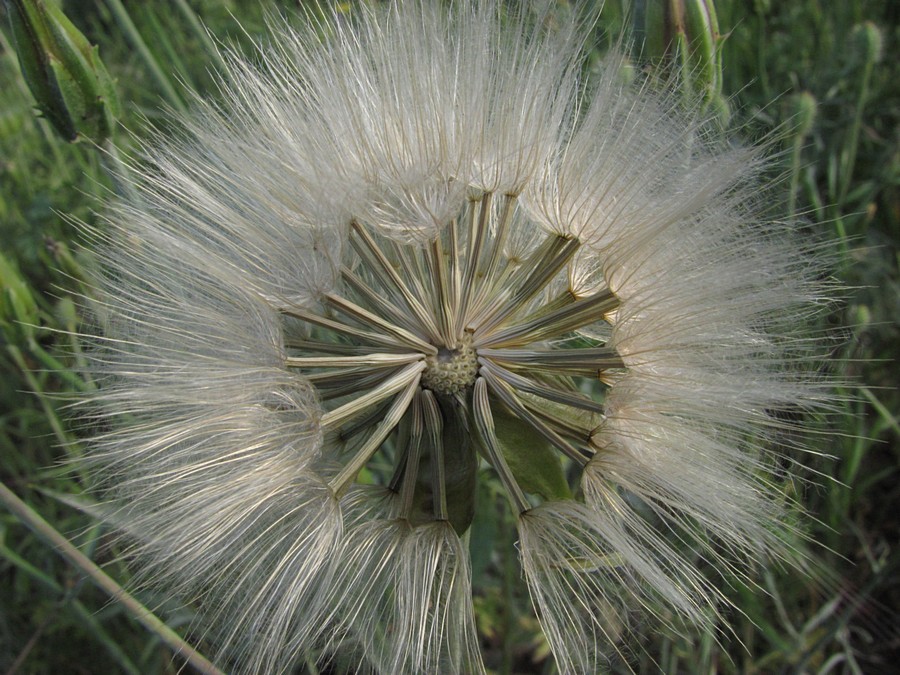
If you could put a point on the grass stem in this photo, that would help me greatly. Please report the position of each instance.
(103, 581)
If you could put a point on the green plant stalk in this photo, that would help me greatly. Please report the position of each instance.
(76, 558)
(796, 149)
(51, 415)
(762, 49)
(815, 199)
(510, 578)
(168, 53)
(882, 410)
(201, 33)
(70, 84)
(849, 158)
(68, 598)
(52, 364)
(134, 37)
(804, 116)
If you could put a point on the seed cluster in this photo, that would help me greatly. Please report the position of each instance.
(420, 337)
(451, 371)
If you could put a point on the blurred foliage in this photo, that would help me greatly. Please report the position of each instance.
(817, 75)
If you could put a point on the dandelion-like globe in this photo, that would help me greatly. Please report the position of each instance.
(422, 242)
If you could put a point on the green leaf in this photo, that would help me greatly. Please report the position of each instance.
(18, 308)
(534, 463)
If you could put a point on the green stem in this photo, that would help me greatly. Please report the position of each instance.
(103, 581)
(38, 390)
(796, 150)
(882, 410)
(134, 38)
(849, 159)
(201, 33)
(68, 599)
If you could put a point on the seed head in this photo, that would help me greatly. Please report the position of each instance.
(422, 243)
(453, 369)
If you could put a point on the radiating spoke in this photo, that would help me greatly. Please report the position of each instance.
(336, 417)
(445, 301)
(320, 347)
(347, 382)
(489, 265)
(588, 362)
(378, 303)
(484, 425)
(369, 250)
(347, 330)
(478, 229)
(365, 316)
(505, 393)
(412, 453)
(556, 323)
(568, 427)
(347, 475)
(454, 265)
(531, 386)
(434, 424)
(363, 421)
(402, 445)
(367, 360)
(527, 282)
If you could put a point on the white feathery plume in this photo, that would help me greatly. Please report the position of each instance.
(412, 247)
(403, 594)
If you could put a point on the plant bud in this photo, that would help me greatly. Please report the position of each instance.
(803, 110)
(681, 38)
(868, 41)
(64, 72)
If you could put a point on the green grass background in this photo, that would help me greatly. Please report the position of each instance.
(843, 172)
